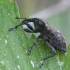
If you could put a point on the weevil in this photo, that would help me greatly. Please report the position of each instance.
(53, 38)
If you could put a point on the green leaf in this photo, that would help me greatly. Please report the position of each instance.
(14, 45)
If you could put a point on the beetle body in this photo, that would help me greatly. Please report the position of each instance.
(51, 35)
(53, 38)
(56, 39)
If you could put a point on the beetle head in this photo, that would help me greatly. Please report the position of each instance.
(39, 25)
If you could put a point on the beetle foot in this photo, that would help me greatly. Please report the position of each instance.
(11, 29)
(41, 63)
(29, 51)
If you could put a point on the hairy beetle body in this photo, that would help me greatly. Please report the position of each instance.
(53, 38)
(56, 39)
(51, 34)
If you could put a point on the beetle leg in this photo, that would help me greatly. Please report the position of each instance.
(30, 27)
(35, 42)
(15, 27)
(52, 49)
(28, 30)
(25, 21)
(31, 30)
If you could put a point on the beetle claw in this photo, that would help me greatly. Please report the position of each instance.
(11, 29)
(29, 51)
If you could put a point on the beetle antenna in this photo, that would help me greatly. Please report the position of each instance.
(19, 18)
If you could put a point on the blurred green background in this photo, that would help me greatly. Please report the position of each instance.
(56, 12)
